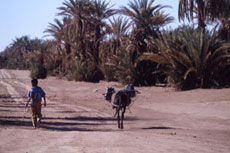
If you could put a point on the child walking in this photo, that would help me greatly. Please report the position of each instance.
(35, 94)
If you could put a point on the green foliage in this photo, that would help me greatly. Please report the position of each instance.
(146, 73)
(15, 64)
(146, 19)
(126, 68)
(108, 72)
(53, 58)
(192, 58)
(84, 71)
(123, 66)
(222, 74)
(14, 54)
(37, 69)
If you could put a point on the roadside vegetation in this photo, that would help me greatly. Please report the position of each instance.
(93, 42)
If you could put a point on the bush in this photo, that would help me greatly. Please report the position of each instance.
(123, 66)
(108, 72)
(129, 69)
(37, 68)
(84, 71)
(193, 58)
(38, 71)
(145, 73)
(223, 76)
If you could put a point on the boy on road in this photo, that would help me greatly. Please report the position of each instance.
(35, 94)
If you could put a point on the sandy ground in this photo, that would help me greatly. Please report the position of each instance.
(77, 119)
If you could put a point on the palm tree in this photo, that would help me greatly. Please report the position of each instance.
(17, 52)
(192, 58)
(216, 9)
(99, 13)
(203, 10)
(145, 15)
(118, 30)
(56, 30)
(221, 12)
(147, 20)
(20, 46)
(224, 29)
(16, 55)
(78, 11)
(59, 32)
(189, 8)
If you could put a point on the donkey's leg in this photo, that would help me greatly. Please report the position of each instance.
(118, 117)
(118, 111)
(122, 116)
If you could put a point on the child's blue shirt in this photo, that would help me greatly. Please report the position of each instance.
(36, 89)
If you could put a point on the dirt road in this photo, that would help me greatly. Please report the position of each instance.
(77, 119)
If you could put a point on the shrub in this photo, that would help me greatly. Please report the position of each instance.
(108, 72)
(129, 69)
(145, 73)
(192, 58)
(123, 66)
(37, 69)
(84, 71)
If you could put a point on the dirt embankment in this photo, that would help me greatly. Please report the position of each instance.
(78, 119)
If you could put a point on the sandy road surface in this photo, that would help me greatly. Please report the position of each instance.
(78, 119)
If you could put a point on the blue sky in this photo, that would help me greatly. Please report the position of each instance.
(31, 17)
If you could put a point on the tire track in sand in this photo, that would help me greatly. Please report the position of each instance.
(5, 75)
(12, 92)
(58, 108)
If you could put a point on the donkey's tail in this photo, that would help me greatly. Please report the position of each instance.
(117, 110)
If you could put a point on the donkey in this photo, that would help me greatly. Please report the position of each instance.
(119, 100)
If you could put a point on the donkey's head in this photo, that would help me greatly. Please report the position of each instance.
(108, 93)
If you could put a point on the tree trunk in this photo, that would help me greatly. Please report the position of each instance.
(201, 14)
(81, 37)
(67, 48)
(96, 45)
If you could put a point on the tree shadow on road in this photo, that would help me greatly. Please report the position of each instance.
(12, 116)
(12, 106)
(80, 123)
(158, 128)
(86, 118)
(9, 99)
(15, 121)
(7, 96)
(88, 124)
